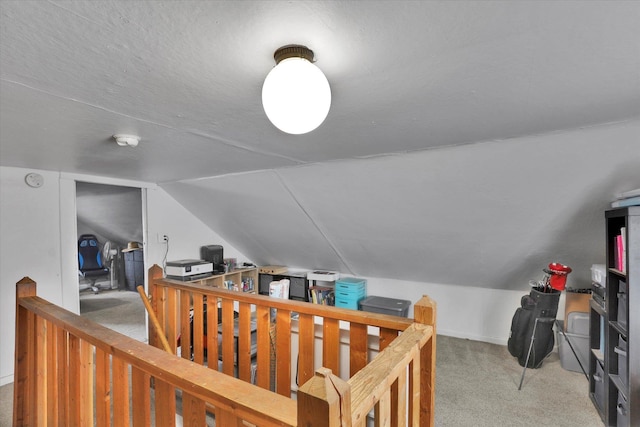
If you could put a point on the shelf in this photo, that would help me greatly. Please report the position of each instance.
(598, 354)
(618, 327)
(615, 385)
(597, 308)
(236, 276)
(615, 379)
(617, 272)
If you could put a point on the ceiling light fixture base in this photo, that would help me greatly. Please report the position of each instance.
(293, 51)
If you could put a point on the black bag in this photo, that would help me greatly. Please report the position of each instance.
(518, 337)
(537, 305)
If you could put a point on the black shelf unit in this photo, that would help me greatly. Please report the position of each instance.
(614, 362)
(298, 286)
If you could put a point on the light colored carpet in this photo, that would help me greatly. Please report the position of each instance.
(477, 385)
(122, 311)
(476, 382)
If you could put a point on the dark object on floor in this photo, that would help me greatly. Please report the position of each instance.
(536, 305)
(133, 266)
(90, 262)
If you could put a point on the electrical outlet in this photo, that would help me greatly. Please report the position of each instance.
(162, 238)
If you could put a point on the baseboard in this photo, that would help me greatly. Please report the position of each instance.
(8, 379)
(455, 334)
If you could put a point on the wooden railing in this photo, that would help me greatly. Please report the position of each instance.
(70, 371)
(183, 307)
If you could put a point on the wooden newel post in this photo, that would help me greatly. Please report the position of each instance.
(24, 381)
(155, 273)
(424, 312)
(324, 401)
(25, 288)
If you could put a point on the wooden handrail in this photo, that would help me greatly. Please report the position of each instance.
(62, 357)
(179, 309)
(327, 312)
(245, 401)
(382, 385)
(374, 379)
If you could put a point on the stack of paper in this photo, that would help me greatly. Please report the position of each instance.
(627, 198)
(279, 289)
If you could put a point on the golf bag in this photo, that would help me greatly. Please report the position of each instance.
(536, 305)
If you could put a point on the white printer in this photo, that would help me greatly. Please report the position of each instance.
(189, 269)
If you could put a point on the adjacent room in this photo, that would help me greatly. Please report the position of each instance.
(483, 154)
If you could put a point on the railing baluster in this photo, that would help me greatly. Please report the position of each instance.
(53, 399)
(62, 352)
(263, 359)
(41, 365)
(415, 394)
(193, 411)
(103, 388)
(386, 337)
(228, 343)
(358, 341)
(59, 354)
(156, 301)
(141, 397)
(283, 352)
(306, 348)
(172, 318)
(120, 374)
(165, 403)
(75, 381)
(198, 328)
(331, 345)
(244, 342)
(185, 324)
(383, 410)
(399, 401)
(212, 332)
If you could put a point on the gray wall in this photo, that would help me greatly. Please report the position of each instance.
(488, 215)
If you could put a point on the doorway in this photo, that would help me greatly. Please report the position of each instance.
(112, 215)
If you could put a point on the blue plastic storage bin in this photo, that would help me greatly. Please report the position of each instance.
(349, 291)
(351, 284)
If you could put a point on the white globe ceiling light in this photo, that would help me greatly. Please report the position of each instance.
(296, 95)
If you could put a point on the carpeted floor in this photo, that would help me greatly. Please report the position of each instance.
(476, 382)
(477, 385)
(122, 311)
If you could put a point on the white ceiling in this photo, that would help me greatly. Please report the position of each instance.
(406, 77)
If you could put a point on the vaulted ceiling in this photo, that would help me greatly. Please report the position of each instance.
(467, 143)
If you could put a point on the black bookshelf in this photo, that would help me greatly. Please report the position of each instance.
(614, 362)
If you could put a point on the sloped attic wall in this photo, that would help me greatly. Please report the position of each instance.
(113, 212)
(488, 215)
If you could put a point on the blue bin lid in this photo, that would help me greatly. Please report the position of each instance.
(386, 303)
(351, 280)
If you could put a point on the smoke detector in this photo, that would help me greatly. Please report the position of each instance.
(127, 140)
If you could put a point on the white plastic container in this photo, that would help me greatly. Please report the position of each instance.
(599, 274)
(580, 345)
